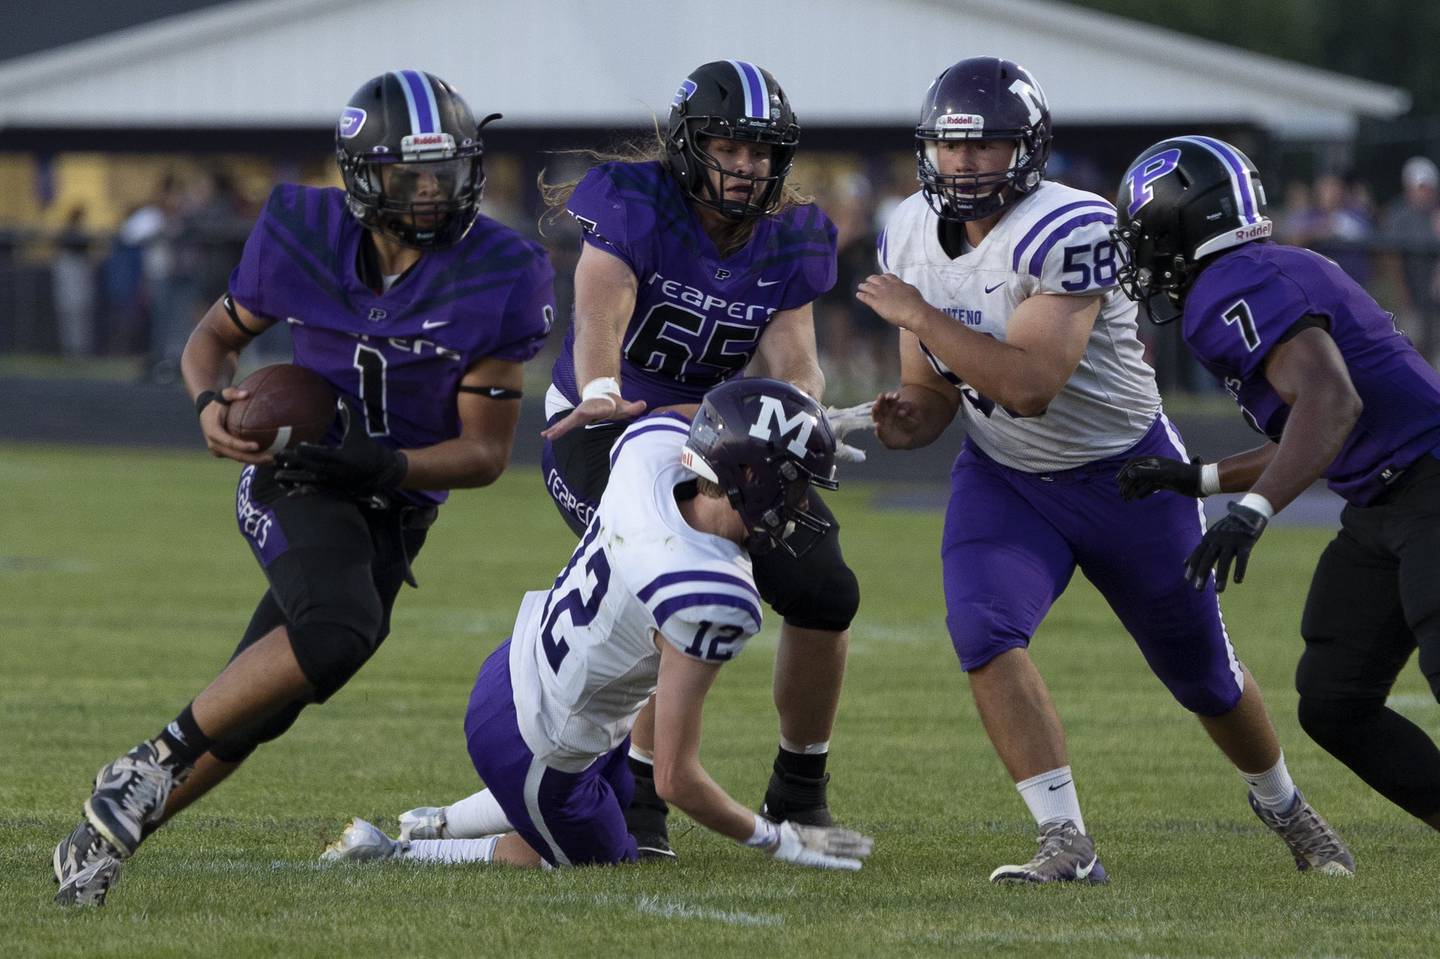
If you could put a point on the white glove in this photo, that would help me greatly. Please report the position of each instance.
(846, 421)
(821, 847)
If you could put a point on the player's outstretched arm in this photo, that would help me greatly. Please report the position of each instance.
(919, 411)
(605, 289)
(208, 365)
(682, 781)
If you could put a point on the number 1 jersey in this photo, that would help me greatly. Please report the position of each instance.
(583, 659)
(1055, 240)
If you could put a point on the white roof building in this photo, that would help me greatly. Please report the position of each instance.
(283, 63)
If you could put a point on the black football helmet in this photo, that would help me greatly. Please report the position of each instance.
(734, 100)
(765, 444)
(983, 98)
(417, 126)
(1182, 200)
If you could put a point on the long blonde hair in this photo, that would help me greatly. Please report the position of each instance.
(556, 195)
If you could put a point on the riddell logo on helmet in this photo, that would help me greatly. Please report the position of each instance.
(960, 121)
(1254, 232)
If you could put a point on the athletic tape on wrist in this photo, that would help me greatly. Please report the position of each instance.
(600, 386)
(766, 834)
(1209, 479)
(1258, 503)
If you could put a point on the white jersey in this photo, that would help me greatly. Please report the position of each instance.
(583, 658)
(1055, 240)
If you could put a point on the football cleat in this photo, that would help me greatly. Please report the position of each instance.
(361, 842)
(424, 822)
(797, 799)
(646, 818)
(130, 794)
(1066, 855)
(1313, 842)
(86, 866)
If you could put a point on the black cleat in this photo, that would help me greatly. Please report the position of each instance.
(797, 799)
(646, 818)
(86, 866)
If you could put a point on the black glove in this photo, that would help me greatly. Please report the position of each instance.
(1230, 539)
(359, 466)
(1143, 475)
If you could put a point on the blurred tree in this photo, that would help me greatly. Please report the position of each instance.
(1388, 41)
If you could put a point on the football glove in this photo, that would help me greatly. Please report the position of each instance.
(359, 466)
(821, 847)
(1229, 540)
(1143, 475)
(846, 421)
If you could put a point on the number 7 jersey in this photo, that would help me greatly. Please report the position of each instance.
(583, 659)
(1055, 240)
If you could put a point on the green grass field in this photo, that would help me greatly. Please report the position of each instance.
(123, 587)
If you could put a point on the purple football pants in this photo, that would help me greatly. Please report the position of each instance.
(1012, 540)
(570, 819)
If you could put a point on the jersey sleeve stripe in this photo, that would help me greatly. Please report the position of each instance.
(672, 606)
(1038, 260)
(882, 247)
(695, 576)
(1048, 219)
(671, 426)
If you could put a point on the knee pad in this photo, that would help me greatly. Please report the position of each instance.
(828, 602)
(330, 652)
(238, 748)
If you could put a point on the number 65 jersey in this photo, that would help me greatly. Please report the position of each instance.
(1055, 240)
(582, 658)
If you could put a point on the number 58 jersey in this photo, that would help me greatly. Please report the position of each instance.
(583, 658)
(1055, 240)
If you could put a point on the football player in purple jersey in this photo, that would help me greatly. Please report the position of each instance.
(420, 313)
(1003, 286)
(1319, 368)
(698, 258)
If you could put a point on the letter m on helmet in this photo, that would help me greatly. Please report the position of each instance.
(772, 411)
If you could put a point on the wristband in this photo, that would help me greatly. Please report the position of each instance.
(605, 386)
(207, 397)
(1258, 503)
(1209, 479)
(765, 836)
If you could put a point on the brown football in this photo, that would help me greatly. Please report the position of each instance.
(287, 405)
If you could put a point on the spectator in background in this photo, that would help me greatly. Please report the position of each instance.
(856, 346)
(1412, 229)
(73, 275)
(122, 281)
(1335, 226)
(1295, 211)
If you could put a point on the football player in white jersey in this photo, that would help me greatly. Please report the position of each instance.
(658, 595)
(1003, 288)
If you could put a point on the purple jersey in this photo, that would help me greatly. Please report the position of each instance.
(698, 316)
(397, 357)
(1245, 302)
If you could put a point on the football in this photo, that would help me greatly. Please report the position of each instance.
(287, 405)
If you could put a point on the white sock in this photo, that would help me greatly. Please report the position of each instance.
(475, 816)
(1051, 796)
(1273, 789)
(805, 749)
(452, 850)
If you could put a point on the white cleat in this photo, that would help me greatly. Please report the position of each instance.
(361, 842)
(424, 822)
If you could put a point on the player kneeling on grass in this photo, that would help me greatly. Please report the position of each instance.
(659, 593)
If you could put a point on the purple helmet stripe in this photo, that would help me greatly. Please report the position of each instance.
(672, 606)
(1050, 218)
(757, 97)
(1037, 261)
(696, 576)
(1239, 176)
(421, 101)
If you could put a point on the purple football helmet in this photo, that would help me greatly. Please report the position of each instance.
(983, 98)
(765, 444)
(1183, 200)
(419, 126)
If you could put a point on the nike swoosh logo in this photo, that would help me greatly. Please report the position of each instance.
(494, 392)
(1061, 786)
(1083, 872)
(992, 289)
(766, 282)
(434, 324)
